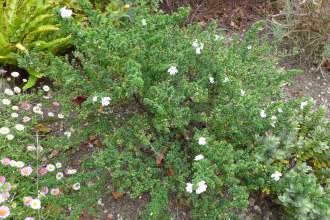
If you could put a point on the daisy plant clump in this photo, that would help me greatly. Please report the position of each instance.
(170, 109)
(34, 184)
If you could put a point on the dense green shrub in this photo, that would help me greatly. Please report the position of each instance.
(186, 111)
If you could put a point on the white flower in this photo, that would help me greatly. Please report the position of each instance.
(201, 187)
(4, 130)
(15, 108)
(105, 101)
(37, 110)
(226, 79)
(302, 105)
(263, 114)
(202, 141)
(198, 46)
(13, 163)
(172, 70)
(211, 79)
(58, 165)
(199, 157)
(19, 164)
(59, 175)
(276, 176)
(35, 204)
(50, 167)
(50, 114)
(195, 43)
(14, 74)
(67, 134)
(14, 115)
(273, 118)
(189, 187)
(144, 22)
(242, 92)
(26, 119)
(279, 110)
(45, 88)
(19, 127)
(249, 47)
(17, 89)
(65, 13)
(10, 137)
(6, 101)
(60, 116)
(9, 92)
(31, 148)
(72, 171)
(24, 80)
(95, 99)
(216, 37)
(76, 186)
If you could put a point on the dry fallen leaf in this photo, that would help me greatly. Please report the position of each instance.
(41, 128)
(117, 195)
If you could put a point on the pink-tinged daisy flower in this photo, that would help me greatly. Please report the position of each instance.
(5, 161)
(42, 171)
(44, 190)
(26, 105)
(2, 180)
(26, 171)
(4, 197)
(4, 212)
(55, 192)
(27, 200)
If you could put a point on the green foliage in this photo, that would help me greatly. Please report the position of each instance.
(227, 91)
(28, 25)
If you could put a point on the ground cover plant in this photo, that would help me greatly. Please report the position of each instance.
(158, 107)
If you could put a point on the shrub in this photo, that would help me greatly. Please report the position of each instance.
(306, 25)
(185, 111)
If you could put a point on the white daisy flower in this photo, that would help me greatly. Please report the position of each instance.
(249, 47)
(95, 99)
(76, 186)
(58, 165)
(14, 74)
(19, 127)
(26, 119)
(4, 130)
(226, 79)
(72, 171)
(31, 148)
(50, 167)
(17, 89)
(46, 88)
(59, 175)
(242, 92)
(35, 204)
(10, 137)
(144, 22)
(15, 108)
(9, 92)
(6, 101)
(20, 164)
(211, 79)
(14, 115)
